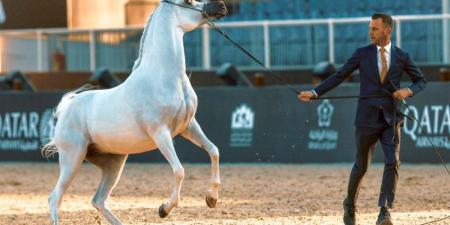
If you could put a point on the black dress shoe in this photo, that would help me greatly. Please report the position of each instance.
(349, 213)
(384, 218)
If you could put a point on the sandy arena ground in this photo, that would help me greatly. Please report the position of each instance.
(250, 194)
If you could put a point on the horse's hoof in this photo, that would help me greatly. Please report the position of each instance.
(162, 212)
(211, 202)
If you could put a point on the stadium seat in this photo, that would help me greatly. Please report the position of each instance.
(298, 9)
(299, 45)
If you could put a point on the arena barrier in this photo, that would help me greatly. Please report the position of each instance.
(250, 125)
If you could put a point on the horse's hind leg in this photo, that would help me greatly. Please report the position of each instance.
(164, 142)
(195, 134)
(111, 166)
(70, 160)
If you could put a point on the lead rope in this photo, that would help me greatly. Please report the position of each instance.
(279, 78)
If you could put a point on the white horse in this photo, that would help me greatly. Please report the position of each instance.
(156, 103)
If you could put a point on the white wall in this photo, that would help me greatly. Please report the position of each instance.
(105, 13)
(20, 53)
(96, 13)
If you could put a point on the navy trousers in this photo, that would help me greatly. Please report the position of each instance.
(366, 139)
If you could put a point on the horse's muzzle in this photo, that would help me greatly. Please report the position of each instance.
(215, 9)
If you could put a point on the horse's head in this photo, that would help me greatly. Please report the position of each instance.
(192, 13)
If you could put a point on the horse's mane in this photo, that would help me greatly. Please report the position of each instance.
(141, 45)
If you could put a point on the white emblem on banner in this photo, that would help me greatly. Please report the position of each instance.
(435, 121)
(47, 126)
(323, 138)
(25, 131)
(325, 113)
(242, 123)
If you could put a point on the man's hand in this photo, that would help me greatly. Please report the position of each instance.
(306, 96)
(402, 94)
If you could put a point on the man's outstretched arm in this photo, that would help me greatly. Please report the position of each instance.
(351, 65)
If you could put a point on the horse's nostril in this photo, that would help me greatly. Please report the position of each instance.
(223, 7)
(215, 9)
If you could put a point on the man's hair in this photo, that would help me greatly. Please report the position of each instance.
(386, 18)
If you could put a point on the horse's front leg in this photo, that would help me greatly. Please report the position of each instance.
(164, 142)
(195, 134)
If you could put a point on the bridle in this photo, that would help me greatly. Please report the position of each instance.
(185, 6)
(207, 7)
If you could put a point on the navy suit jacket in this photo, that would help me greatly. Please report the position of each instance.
(365, 59)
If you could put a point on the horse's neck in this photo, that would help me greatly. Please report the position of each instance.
(163, 50)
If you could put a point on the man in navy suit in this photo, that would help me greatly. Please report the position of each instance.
(381, 66)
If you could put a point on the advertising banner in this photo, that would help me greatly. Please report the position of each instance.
(252, 125)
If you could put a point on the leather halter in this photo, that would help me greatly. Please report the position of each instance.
(184, 6)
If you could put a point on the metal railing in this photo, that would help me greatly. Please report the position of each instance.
(279, 44)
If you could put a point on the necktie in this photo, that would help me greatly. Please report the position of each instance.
(383, 71)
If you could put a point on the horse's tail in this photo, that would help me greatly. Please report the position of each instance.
(68, 97)
(50, 149)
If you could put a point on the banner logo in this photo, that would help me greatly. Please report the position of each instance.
(47, 126)
(323, 138)
(25, 131)
(325, 113)
(435, 120)
(242, 124)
